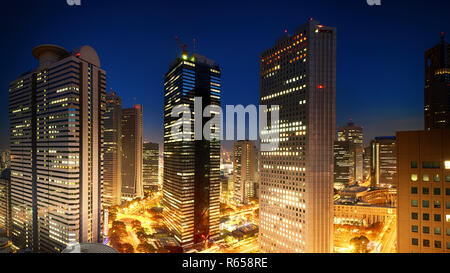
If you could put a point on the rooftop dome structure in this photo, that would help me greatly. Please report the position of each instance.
(47, 54)
(89, 248)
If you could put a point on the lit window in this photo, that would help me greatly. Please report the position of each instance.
(447, 165)
(414, 177)
(437, 178)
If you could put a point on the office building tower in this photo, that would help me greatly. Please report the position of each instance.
(244, 159)
(343, 165)
(191, 185)
(132, 142)
(113, 151)
(384, 162)
(423, 191)
(56, 147)
(437, 86)
(353, 135)
(150, 167)
(298, 74)
(5, 201)
(367, 159)
(5, 160)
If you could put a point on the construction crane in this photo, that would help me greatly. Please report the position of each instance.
(182, 46)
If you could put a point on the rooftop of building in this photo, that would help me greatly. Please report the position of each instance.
(48, 54)
(194, 58)
(89, 248)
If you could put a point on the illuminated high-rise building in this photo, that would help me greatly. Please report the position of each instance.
(437, 86)
(244, 159)
(132, 141)
(150, 167)
(113, 151)
(367, 161)
(384, 162)
(353, 135)
(5, 159)
(5, 200)
(56, 147)
(191, 185)
(423, 161)
(298, 74)
(343, 165)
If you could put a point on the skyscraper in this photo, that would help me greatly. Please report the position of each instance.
(5, 200)
(343, 165)
(5, 159)
(384, 162)
(191, 186)
(367, 161)
(244, 159)
(423, 191)
(298, 73)
(56, 147)
(132, 142)
(150, 165)
(437, 86)
(353, 135)
(113, 150)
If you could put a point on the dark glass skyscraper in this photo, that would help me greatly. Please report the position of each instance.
(191, 185)
(150, 166)
(437, 86)
(113, 150)
(132, 141)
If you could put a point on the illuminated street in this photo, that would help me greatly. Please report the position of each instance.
(382, 237)
(137, 217)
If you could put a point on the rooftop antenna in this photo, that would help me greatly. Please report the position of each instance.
(195, 44)
(443, 37)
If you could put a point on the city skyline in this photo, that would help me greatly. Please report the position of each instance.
(147, 168)
(402, 98)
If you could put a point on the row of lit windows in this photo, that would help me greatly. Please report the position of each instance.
(426, 178)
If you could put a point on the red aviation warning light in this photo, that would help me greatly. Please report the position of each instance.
(320, 86)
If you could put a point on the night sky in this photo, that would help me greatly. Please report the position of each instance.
(380, 66)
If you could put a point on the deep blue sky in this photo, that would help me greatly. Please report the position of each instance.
(380, 66)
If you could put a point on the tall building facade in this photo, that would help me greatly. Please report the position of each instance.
(298, 74)
(56, 142)
(132, 143)
(353, 135)
(423, 191)
(191, 185)
(384, 162)
(437, 86)
(5, 200)
(244, 159)
(150, 167)
(343, 165)
(5, 159)
(367, 162)
(113, 150)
